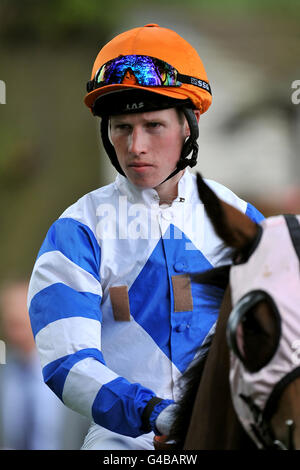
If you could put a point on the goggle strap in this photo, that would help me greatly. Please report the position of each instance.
(194, 81)
(91, 84)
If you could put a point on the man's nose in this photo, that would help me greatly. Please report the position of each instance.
(137, 142)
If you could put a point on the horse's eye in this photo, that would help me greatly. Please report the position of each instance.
(254, 329)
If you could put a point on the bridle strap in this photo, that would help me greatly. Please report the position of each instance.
(261, 419)
(294, 230)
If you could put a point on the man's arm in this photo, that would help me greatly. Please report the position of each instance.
(64, 305)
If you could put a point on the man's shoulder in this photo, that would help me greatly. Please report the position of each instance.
(226, 194)
(84, 211)
(230, 197)
(222, 190)
(90, 201)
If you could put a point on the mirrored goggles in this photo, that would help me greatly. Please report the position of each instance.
(144, 71)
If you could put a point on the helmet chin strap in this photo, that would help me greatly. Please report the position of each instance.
(190, 145)
(109, 148)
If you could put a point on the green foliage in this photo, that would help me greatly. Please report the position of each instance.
(49, 152)
(81, 20)
(53, 21)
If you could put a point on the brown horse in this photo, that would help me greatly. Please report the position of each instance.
(256, 330)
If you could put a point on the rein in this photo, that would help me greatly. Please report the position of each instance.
(263, 432)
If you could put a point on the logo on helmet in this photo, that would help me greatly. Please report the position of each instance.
(134, 106)
(200, 83)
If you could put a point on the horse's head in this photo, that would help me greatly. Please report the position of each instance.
(263, 330)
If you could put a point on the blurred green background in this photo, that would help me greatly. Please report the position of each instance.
(49, 145)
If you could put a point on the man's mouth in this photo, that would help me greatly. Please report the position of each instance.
(139, 164)
(139, 167)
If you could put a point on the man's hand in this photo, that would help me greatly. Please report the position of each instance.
(165, 419)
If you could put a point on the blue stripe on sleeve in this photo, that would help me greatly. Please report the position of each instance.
(56, 372)
(76, 241)
(119, 406)
(156, 411)
(60, 301)
(253, 213)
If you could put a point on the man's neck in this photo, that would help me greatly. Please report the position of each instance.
(168, 191)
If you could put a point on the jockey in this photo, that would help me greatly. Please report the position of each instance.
(116, 317)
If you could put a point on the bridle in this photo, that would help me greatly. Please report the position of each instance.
(258, 417)
(262, 429)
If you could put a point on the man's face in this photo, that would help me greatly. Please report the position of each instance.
(148, 145)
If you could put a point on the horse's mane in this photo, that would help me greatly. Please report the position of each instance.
(232, 226)
(219, 277)
(215, 212)
(189, 385)
(190, 380)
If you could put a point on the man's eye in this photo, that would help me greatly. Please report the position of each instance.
(154, 124)
(122, 127)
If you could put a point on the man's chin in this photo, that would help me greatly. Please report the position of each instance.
(142, 185)
(143, 182)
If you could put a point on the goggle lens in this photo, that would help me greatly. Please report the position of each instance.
(144, 71)
(138, 70)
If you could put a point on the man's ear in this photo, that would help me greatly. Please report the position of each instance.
(197, 114)
(186, 126)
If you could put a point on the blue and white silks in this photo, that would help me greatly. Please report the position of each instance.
(119, 235)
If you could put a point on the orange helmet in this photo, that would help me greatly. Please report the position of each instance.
(145, 69)
(174, 56)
